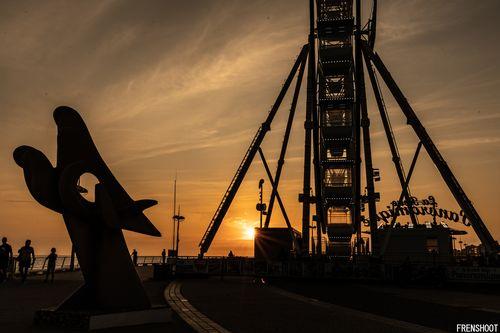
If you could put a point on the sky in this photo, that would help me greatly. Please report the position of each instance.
(180, 87)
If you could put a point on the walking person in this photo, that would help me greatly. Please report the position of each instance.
(5, 259)
(26, 258)
(163, 256)
(134, 257)
(51, 265)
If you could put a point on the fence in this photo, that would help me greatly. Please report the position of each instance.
(361, 269)
(244, 266)
(39, 265)
(148, 260)
(63, 263)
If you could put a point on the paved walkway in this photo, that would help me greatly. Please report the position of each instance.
(18, 302)
(237, 304)
(432, 307)
(242, 305)
(197, 320)
(487, 300)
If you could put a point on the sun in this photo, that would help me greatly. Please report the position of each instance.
(249, 232)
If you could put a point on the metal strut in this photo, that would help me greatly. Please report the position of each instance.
(372, 26)
(490, 245)
(365, 124)
(390, 137)
(280, 202)
(305, 196)
(286, 137)
(400, 200)
(312, 106)
(231, 191)
(357, 129)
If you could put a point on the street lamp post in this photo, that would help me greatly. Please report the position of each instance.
(173, 217)
(261, 207)
(178, 218)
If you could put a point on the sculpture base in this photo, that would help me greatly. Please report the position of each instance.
(87, 320)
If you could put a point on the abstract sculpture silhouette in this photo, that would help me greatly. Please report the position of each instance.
(95, 228)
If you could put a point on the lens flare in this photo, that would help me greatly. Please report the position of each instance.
(249, 233)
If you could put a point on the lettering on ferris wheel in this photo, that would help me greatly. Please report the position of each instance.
(426, 206)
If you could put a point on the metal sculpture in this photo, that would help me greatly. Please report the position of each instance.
(95, 228)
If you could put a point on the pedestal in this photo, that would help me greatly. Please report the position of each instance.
(88, 320)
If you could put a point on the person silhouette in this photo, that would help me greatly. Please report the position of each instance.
(134, 257)
(5, 259)
(51, 265)
(230, 254)
(163, 256)
(26, 258)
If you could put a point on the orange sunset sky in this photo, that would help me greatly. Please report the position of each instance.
(170, 87)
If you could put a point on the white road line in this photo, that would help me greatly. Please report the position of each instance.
(487, 310)
(411, 327)
(194, 318)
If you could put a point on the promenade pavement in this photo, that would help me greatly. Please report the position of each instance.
(18, 302)
(437, 307)
(245, 305)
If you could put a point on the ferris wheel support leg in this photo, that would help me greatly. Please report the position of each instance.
(286, 137)
(231, 191)
(390, 137)
(491, 246)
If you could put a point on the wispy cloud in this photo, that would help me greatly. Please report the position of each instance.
(185, 84)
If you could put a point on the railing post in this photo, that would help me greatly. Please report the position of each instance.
(43, 266)
(221, 268)
(72, 260)
(32, 264)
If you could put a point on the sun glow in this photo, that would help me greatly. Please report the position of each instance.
(249, 232)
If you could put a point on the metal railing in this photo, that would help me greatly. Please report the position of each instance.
(248, 266)
(149, 260)
(63, 263)
(39, 265)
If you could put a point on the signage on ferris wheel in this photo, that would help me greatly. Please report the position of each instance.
(427, 206)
